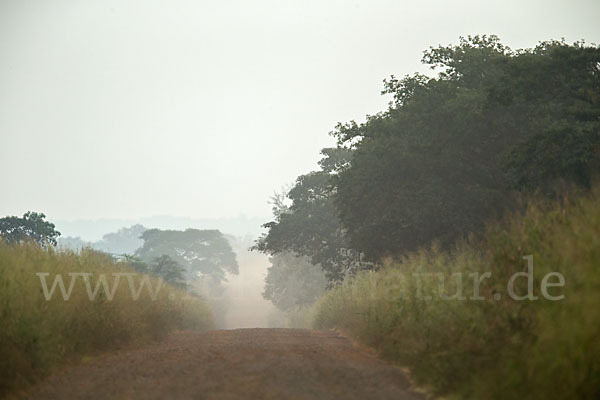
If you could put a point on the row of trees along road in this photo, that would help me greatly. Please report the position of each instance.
(450, 153)
(183, 258)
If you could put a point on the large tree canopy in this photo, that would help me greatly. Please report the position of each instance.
(310, 225)
(203, 253)
(444, 157)
(450, 153)
(31, 227)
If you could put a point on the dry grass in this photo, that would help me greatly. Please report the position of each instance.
(37, 335)
(489, 349)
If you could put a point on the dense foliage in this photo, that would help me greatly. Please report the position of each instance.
(310, 226)
(449, 154)
(164, 266)
(30, 228)
(293, 282)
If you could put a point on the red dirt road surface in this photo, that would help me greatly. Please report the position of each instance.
(234, 364)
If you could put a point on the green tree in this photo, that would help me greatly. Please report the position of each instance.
(30, 228)
(292, 281)
(558, 87)
(202, 253)
(168, 269)
(136, 263)
(447, 154)
(310, 226)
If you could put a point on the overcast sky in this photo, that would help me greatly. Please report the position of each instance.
(126, 109)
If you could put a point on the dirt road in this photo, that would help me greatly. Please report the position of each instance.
(236, 364)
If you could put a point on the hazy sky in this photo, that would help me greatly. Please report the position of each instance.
(127, 109)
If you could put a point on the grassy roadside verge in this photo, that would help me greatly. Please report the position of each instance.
(496, 347)
(37, 335)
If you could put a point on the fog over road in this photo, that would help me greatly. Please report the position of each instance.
(234, 364)
(245, 306)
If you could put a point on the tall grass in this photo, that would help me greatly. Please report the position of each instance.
(36, 334)
(489, 349)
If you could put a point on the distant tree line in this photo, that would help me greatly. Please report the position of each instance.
(450, 153)
(181, 258)
(124, 241)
